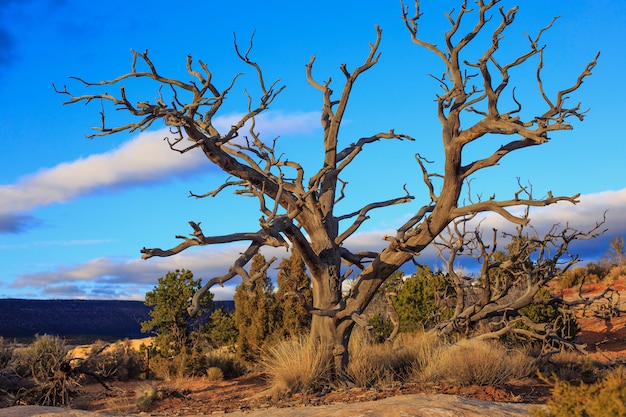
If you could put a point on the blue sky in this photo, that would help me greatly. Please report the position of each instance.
(74, 212)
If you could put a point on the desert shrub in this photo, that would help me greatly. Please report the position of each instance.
(607, 397)
(382, 327)
(184, 364)
(616, 273)
(368, 364)
(423, 347)
(145, 397)
(564, 323)
(572, 277)
(42, 358)
(375, 364)
(214, 373)
(227, 361)
(45, 362)
(596, 272)
(569, 365)
(419, 301)
(255, 312)
(476, 362)
(296, 365)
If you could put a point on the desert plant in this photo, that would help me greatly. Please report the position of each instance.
(477, 362)
(226, 360)
(296, 365)
(145, 397)
(607, 397)
(299, 207)
(569, 366)
(420, 300)
(170, 319)
(214, 373)
(292, 279)
(382, 327)
(377, 364)
(422, 346)
(564, 323)
(45, 362)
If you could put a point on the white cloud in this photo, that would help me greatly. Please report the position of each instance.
(143, 159)
(132, 278)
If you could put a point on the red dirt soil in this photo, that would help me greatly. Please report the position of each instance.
(606, 340)
(201, 396)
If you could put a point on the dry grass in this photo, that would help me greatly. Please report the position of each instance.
(214, 373)
(566, 365)
(476, 362)
(373, 364)
(296, 365)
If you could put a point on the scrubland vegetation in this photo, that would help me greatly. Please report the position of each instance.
(271, 340)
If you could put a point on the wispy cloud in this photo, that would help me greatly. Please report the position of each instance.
(144, 159)
(132, 278)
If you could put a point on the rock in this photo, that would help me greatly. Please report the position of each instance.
(415, 405)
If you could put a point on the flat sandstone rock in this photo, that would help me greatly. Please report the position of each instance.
(414, 405)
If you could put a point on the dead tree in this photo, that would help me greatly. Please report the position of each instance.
(298, 210)
(490, 304)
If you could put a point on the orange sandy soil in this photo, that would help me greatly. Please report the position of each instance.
(606, 341)
(201, 396)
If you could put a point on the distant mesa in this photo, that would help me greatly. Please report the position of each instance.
(105, 319)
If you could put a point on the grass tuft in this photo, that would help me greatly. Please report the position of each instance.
(296, 365)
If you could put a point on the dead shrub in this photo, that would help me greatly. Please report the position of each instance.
(44, 361)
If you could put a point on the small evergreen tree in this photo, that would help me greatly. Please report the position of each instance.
(293, 278)
(222, 328)
(170, 320)
(381, 310)
(419, 302)
(255, 311)
(565, 323)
